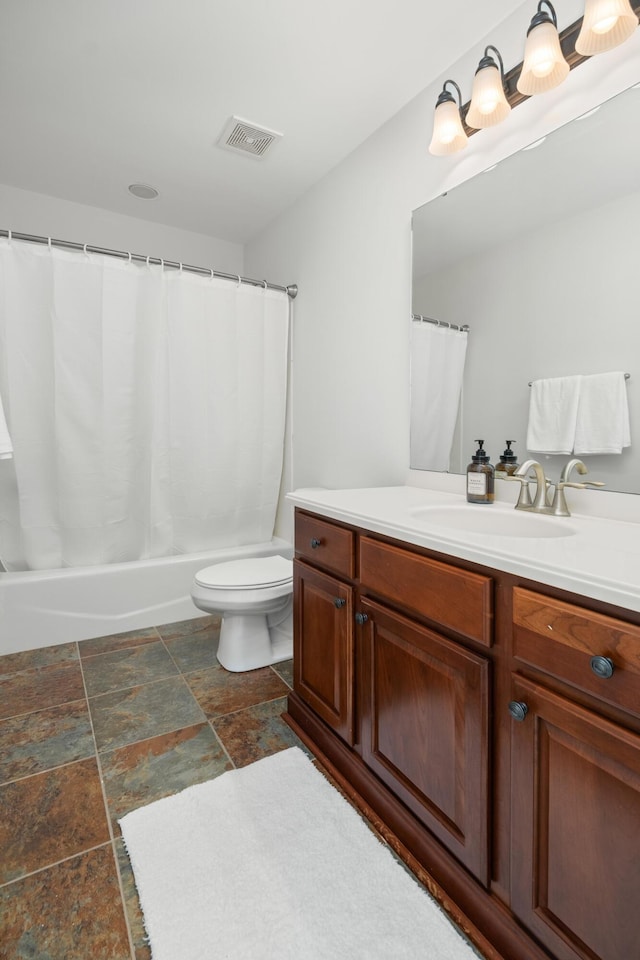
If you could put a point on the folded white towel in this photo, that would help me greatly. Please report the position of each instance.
(553, 409)
(6, 447)
(602, 424)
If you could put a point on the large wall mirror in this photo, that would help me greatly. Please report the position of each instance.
(539, 256)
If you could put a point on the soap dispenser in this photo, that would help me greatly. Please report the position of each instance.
(508, 463)
(480, 477)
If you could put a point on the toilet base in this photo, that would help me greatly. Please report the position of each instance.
(247, 643)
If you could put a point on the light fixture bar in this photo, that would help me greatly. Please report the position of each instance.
(568, 39)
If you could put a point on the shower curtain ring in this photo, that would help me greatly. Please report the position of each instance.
(9, 235)
(265, 284)
(49, 243)
(239, 281)
(148, 264)
(181, 267)
(129, 256)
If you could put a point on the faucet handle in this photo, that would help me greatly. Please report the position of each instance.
(559, 506)
(524, 497)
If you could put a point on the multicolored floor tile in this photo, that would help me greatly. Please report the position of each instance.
(34, 659)
(39, 741)
(141, 712)
(143, 772)
(117, 641)
(42, 820)
(197, 652)
(220, 692)
(256, 732)
(127, 668)
(43, 687)
(70, 911)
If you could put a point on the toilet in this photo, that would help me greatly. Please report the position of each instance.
(254, 596)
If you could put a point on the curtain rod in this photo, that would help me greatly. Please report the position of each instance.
(291, 290)
(440, 323)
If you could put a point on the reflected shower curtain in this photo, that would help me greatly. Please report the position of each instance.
(146, 408)
(437, 365)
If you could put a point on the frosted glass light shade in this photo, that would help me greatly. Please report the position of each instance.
(448, 133)
(605, 25)
(544, 65)
(489, 104)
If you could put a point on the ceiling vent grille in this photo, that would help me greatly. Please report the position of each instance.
(247, 138)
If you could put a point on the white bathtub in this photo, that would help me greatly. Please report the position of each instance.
(40, 608)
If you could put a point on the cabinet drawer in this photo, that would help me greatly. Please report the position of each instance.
(561, 639)
(325, 544)
(453, 598)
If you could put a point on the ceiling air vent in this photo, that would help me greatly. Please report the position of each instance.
(247, 138)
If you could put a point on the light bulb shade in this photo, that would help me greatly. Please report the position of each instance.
(448, 133)
(489, 104)
(606, 24)
(544, 65)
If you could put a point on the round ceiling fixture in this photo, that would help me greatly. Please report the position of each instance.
(143, 191)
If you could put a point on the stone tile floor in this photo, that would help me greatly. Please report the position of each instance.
(89, 731)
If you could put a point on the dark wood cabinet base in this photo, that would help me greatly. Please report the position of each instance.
(482, 918)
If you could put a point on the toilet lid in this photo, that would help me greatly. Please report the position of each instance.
(248, 572)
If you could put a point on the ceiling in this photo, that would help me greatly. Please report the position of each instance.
(96, 96)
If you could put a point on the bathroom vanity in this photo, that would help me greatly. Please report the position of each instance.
(478, 694)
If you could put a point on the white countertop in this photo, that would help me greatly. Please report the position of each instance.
(599, 559)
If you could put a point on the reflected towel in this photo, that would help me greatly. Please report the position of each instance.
(553, 410)
(602, 424)
(6, 447)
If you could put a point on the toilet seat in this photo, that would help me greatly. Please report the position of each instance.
(251, 573)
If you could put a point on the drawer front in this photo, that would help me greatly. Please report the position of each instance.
(325, 544)
(561, 639)
(453, 598)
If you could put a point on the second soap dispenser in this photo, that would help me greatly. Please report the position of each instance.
(480, 477)
(508, 462)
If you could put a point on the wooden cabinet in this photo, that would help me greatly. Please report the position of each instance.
(425, 729)
(323, 661)
(491, 725)
(323, 635)
(575, 819)
(575, 799)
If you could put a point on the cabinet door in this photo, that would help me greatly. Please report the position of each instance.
(323, 646)
(575, 828)
(425, 729)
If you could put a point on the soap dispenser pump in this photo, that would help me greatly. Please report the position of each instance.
(508, 462)
(480, 477)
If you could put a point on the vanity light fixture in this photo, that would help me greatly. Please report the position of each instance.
(489, 104)
(544, 65)
(606, 24)
(448, 133)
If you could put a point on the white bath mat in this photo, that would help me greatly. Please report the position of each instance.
(271, 863)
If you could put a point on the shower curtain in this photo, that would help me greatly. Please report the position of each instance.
(146, 408)
(437, 366)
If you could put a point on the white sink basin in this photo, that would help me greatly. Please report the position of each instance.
(488, 520)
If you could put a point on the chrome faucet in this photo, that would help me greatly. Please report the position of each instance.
(559, 506)
(540, 503)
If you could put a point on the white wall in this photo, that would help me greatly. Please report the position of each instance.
(36, 213)
(347, 244)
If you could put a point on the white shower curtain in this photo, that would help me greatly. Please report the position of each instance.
(146, 408)
(437, 366)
